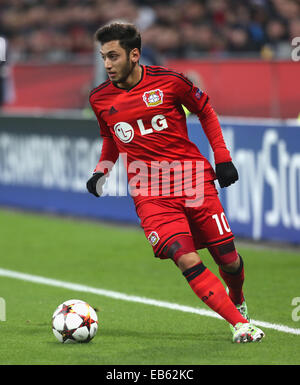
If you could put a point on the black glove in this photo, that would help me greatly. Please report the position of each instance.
(226, 174)
(92, 186)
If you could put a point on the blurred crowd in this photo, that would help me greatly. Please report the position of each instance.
(59, 29)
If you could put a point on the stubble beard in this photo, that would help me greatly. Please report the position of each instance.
(126, 72)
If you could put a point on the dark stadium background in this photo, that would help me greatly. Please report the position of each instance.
(239, 52)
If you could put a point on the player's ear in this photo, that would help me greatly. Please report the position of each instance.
(135, 55)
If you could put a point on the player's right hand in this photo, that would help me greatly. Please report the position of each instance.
(95, 183)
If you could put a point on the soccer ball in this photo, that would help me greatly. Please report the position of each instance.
(74, 321)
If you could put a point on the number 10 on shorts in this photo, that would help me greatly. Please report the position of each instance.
(221, 223)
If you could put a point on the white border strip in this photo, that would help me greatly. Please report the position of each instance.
(132, 298)
(2, 49)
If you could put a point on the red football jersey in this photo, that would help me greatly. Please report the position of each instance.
(148, 126)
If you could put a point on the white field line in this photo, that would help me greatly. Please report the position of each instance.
(132, 298)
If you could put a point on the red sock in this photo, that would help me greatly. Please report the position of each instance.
(234, 282)
(211, 291)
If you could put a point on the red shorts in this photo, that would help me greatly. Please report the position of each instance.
(166, 219)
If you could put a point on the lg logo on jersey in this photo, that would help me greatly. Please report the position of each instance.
(125, 132)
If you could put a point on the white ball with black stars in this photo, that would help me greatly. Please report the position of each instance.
(74, 321)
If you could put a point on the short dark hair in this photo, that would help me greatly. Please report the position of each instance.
(127, 34)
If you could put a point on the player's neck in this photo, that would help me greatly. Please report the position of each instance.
(133, 78)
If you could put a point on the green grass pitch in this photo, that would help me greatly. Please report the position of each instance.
(120, 259)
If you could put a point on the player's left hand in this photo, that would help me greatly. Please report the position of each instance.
(226, 174)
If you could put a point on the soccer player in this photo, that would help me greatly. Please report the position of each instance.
(140, 114)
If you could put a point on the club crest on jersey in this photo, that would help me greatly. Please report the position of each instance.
(153, 98)
(153, 238)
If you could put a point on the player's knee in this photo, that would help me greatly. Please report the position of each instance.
(226, 256)
(181, 251)
(234, 266)
(187, 261)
